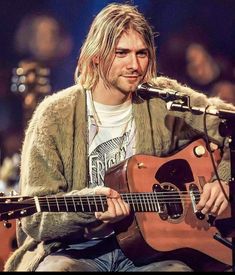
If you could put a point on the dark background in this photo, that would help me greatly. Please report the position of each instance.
(213, 19)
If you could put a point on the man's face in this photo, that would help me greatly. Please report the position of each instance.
(130, 62)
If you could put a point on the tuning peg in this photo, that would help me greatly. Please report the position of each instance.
(13, 193)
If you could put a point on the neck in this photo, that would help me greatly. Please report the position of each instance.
(108, 95)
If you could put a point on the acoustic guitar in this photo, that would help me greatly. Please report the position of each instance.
(162, 192)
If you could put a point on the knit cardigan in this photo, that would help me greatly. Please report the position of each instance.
(54, 158)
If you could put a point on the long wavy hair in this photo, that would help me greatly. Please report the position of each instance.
(101, 41)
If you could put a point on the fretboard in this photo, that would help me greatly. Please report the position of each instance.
(139, 202)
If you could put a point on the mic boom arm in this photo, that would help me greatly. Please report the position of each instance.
(177, 101)
(146, 91)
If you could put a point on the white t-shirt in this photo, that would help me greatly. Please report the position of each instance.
(111, 140)
(111, 137)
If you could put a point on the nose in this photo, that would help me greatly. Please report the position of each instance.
(133, 62)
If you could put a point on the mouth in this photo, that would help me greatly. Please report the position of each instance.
(132, 77)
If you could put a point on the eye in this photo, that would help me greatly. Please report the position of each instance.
(142, 54)
(120, 53)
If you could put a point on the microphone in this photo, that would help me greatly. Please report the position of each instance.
(146, 91)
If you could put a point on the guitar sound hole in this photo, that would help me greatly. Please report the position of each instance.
(170, 202)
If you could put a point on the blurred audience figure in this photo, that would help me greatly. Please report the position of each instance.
(224, 89)
(201, 67)
(190, 57)
(43, 39)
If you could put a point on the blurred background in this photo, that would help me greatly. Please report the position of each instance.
(41, 40)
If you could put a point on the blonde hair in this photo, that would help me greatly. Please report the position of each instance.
(101, 40)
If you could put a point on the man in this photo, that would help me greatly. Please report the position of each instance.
(77, 134)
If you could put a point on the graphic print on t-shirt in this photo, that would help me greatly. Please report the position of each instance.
(105, 156)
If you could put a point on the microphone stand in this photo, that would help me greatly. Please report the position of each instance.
(226, 226)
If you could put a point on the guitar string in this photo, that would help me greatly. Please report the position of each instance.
(156, 195)
(71, 203)
(85, 203)
(138, 198)
(136, 194)
(46, 205)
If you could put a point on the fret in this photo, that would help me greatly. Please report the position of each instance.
(88, 202)
(158, 208)
(126, 199)
(141, 206)
(148, 202)
(58, 207)
(48, 204)
(96, 207)
(151, 202)
(133, 202)
(102, 205)
(81, 203)
(74, 204)
(145, 202)
(37, 204)
(136, 204)
(65, 200)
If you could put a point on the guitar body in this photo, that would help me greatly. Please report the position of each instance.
(177, 229)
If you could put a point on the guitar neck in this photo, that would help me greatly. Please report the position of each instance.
(22, 206)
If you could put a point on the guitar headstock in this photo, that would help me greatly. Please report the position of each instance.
(15, 207)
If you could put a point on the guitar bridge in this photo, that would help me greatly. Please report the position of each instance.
(195, 197)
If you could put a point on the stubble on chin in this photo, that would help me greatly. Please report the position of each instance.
(124, 87)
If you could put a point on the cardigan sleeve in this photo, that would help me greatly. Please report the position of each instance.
(42, 173)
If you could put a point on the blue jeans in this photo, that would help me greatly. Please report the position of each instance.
(104, 256)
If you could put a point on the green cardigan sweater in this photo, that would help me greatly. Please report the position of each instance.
(54, 158)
